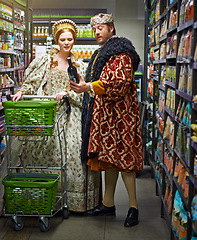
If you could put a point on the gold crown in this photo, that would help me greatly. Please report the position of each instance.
(62, 24)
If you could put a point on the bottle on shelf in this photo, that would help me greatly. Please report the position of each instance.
(35, 32)
(72, 71)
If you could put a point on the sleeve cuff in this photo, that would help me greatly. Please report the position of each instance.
(98, 87)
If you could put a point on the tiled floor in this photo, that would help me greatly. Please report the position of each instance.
(150, 227)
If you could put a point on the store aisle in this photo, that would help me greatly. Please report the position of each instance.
(150, 227)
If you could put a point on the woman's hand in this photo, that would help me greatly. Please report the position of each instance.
(17, 96)
(80, 87)
(60, 95)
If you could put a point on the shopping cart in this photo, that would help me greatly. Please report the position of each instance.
(34, 194)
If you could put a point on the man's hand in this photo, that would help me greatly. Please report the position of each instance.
(80, 87)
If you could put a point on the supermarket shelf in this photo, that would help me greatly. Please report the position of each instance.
(181, 158)
(171, 56)
(182, 60)
(155, 62)
(195, 65)
(171, 29)
(164, 13)
(156, 47)
(184, 95)
(5, 17)
(193, 180)
(194, 106)
(18, 48)
(185, 25)
(6, 70)
(181, 193)
(162, 60)
(170, 177)
(19, 68)
(168, 147)
(162, 38)
(172, 5)
(11, 69)
(6, 86)
(158, 157)
(170, 84)
(155, 79)
(161, 87)
(179, 121)
(161, 114)
(169, 112)
(194, 145)
(8, 52)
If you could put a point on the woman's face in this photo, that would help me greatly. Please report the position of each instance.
(66, 41)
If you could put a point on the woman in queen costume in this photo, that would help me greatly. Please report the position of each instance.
(47, 75)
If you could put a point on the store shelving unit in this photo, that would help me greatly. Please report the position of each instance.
(14, 53)
(163, 37)
(43, 19)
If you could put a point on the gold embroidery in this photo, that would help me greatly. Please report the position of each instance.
(92, 70)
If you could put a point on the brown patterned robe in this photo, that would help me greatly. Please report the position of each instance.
(115, 129)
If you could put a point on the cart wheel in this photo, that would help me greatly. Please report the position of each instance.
(19, 225)
(44, 227)
(65, 213)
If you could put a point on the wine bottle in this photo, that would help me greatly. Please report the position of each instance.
(72, 72)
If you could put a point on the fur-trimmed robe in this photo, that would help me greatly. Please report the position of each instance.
(115, 135)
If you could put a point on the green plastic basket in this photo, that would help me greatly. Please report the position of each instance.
(30, 118)
(30, 193)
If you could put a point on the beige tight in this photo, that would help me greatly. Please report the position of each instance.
(111, 177)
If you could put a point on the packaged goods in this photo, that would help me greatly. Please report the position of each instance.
(181, 175)
(183, 79)
(195, 53)
(157, 11)
(188, 39)
(162, 51)
(176, 211)
(195, 98)
(177, 167)
(194, 138)
(179, 109)
(182, 110)
(172, 136)
(163, 28)
(195, 165)
(194, 215)
(171, 45)
(167, 128)
(189, 10)
(194, 127)
(189, 81)
(173, 17)
(157, 30)
(185, 185)
(183, 224)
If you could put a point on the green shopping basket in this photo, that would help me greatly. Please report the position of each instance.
(30, 193)
(30, 118)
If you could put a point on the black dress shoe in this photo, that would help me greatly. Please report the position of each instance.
(102, 210)
(132, 217)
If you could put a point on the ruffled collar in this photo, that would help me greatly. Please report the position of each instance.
(54, 60)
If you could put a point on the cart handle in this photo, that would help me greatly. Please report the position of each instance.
(50, 97)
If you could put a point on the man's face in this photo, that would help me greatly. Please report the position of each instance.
(102, 32)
